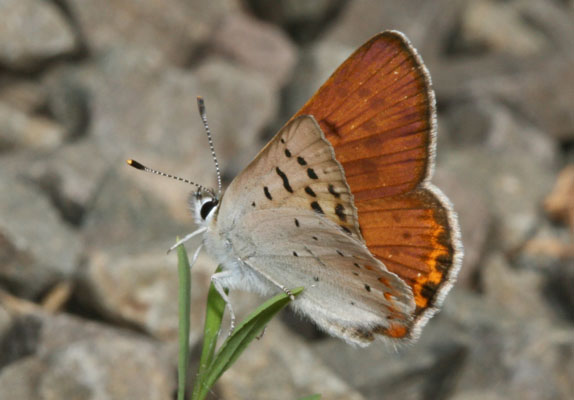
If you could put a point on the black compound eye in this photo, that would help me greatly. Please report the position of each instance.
(206, 208)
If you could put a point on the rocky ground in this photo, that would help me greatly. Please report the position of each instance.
(88, 306)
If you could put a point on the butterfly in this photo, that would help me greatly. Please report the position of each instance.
(340, 202)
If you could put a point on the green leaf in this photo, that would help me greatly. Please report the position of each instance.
(236, 343)
(312, 397)
(184, 298)
(213, 316)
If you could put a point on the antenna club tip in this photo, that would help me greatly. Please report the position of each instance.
(135, 164)
(201, 105)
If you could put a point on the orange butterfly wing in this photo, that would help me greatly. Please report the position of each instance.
(378, 112)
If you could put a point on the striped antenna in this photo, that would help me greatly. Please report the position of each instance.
(202, 113)
(137, 165)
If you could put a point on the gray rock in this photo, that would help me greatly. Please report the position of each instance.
(531, 81)
(139, 219)
(68, 101)
(521, 292)
(21, 336)
(539, 93)
(465, 122)
(75, 359)
(240, 106)
(258, 46)
(304, 20)
(283, 359)
(420, 20)
(36, 247)
(316, 64)
(427, 369)
(31, 33)
(485, 394)
(71, 176)
(517, 357)
(141, 289)
(553, 20)
(504, 176)
(165, 129)
(24, 95)
(498, 26)
(170, 33)
(475, 220)
(166, 117)
(547, 249)
(21, 130)
(559, 204)
(560, 288)
(4, 322)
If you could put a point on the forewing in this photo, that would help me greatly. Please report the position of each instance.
(378, 112)
(348, 292)
(297, 169)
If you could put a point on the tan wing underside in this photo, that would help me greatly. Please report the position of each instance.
(348, 292)
(296, 169)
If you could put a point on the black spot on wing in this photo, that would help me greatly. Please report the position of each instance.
(287, 153)
(310, 191)
(286, 184)
(295, 254)
(267, 194)
(339, 252)
(316, 278)
(340, 211)
(333, 192)
(443, 263)
(345, 229)
(316, 207)
(301, 161)
(252, 204)
(311, 173)
(296, 222)
(429, 290)
(367, 288)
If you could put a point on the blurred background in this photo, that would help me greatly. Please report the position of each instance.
(88, 297)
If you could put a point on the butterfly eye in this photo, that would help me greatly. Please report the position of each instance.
(206, 208)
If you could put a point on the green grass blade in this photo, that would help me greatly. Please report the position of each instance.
(213, 316)
(235, 344)
(184, 298)
(311, 397)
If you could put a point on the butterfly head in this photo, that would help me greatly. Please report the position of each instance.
(204, 204)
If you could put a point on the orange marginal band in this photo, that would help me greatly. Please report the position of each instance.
(377, 110)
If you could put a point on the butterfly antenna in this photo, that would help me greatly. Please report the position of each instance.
(137, 165)
(202, 113)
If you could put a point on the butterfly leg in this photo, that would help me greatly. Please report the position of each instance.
(273, 281)
(260, 336)
(195, 255)
(219, 281)
(186, 238)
